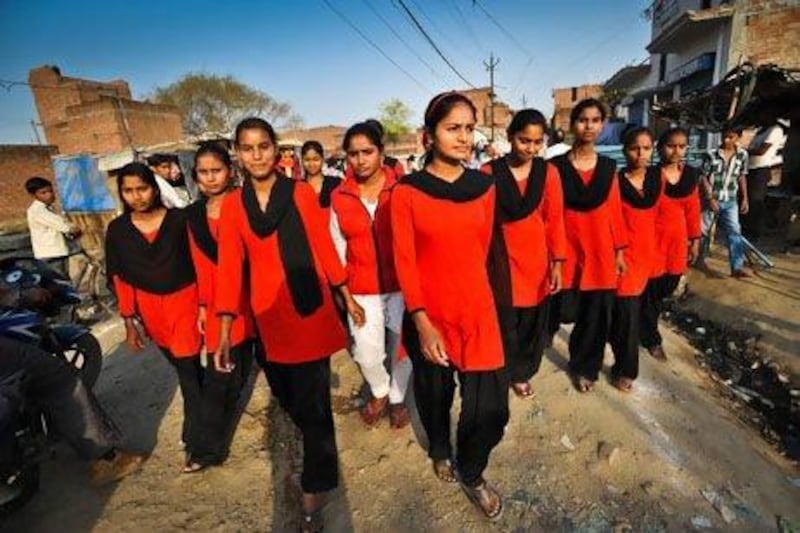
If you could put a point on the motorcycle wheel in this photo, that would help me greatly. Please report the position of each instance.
(25, 486)
(86, 356)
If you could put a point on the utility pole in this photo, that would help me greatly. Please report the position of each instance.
(490, 66)
(36, 132)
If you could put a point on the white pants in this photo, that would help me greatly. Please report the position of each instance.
(378, 339)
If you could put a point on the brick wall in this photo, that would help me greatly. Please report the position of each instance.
(564, 99)
(766, 31)
(85, 116)
(480, 98)
(17, 164)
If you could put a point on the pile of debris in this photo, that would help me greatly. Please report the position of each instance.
(732, 359)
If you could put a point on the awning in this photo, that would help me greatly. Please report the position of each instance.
(686, 27)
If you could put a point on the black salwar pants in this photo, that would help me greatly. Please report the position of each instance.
(588, 339)
(190, 380)
(221, 391)
(527, 338)
(653, 304)
(303, 390)
(624, 336)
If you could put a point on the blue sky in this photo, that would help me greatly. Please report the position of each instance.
(301, 52)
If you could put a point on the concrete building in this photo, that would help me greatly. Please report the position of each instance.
(565, 98)
(480, 98)
(695, 43)
(85, 116)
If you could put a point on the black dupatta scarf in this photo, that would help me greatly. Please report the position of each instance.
(585, 197)
(512, 205)
(198, 223)
(651, 189)
(469, 186)
(161, 267)
(687, 184)
(282, 215)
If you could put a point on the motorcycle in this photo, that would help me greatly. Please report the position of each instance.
(40, 324)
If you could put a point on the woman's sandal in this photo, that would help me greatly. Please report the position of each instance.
(485, 498)
(443, 468)
(311, 522)
(522, 390)
(583, 384)
(623, 384)
(193, 467)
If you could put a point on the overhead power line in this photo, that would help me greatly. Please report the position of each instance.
(401, 39)
(432, 43)
(510, 36)
(374, 45)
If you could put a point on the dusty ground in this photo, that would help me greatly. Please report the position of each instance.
(672, 439)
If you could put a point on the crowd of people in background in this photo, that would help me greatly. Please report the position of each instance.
(456, 270)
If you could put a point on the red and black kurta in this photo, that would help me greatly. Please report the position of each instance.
(204, 237)
(593, 222)
(441, 246)
(295, 317)
(677, 222)
(369, 255)
(537, 238)
(154, 280)
(639, 209)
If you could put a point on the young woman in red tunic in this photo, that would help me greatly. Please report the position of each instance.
(596, 237)
(149, 263)
(362, 232)
(276, 226)
(312, 157)
(678, 230)
(640, 188)
(442, 225)
(530, 209)
(221, 386)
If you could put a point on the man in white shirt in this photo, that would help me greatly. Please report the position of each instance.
(49, 230)
(766, 154)
(161, 165)
(556, 145)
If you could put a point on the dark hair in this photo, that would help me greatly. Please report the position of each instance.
(375, 124)
(631, 134)
(367, 130)
(214, 149)
(36, 183)
(524, 118)
(668, 134)
(738, 130)
(144, 173)
(556, 136)
(441, 105)
(587, 103)
(255, 123)
(159, 159)
(312, 145)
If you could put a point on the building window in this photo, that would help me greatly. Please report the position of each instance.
(574, 93)
(662, 67)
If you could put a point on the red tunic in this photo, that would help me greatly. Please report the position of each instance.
(170, 320)
(641, 255)
(370, 262)
(592, 240)
(440, 253)
(536, 240)
(677, 222)
(207, 275)
(288, 337)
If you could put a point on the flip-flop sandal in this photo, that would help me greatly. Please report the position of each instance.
(522, 390)
(583, 384)
(193, 467)
(444, 470)
(481, 497)
(623, 384)
(311, 522)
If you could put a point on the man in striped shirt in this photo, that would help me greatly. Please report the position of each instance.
(724, 178)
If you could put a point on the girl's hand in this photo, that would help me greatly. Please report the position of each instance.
(201, 320)
(694, 250)
(556, 279)
(430, 340)
(133, 337)
(620, 263)
(222, 357)
(355, 311)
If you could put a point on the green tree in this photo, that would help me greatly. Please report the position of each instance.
(212, 103)
(395, 116)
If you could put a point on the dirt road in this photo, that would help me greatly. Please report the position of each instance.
(659, 459)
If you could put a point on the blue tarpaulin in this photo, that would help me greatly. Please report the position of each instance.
(81, 185)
